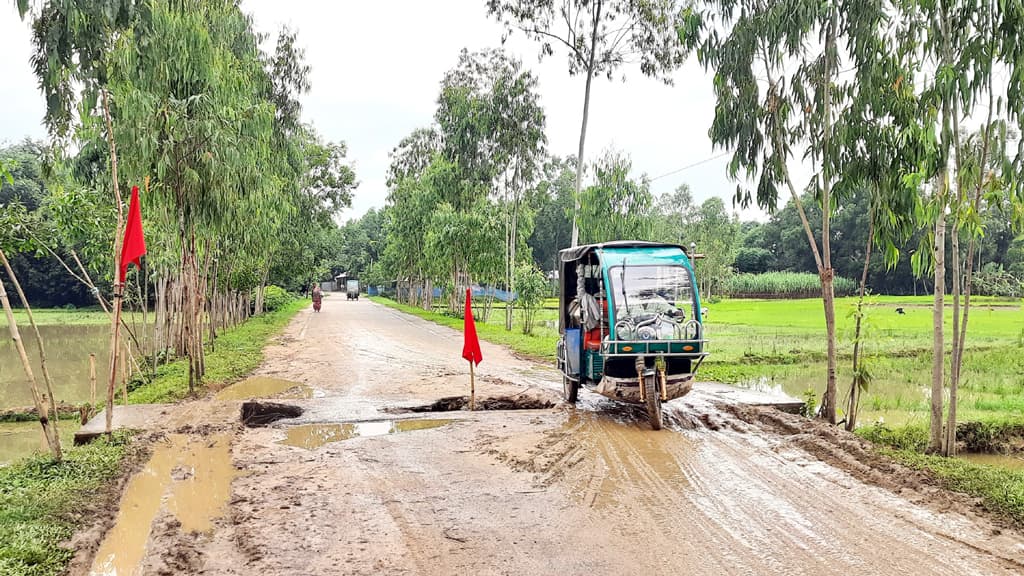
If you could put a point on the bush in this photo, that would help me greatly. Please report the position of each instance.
(993, 280)
(784, 285)
(531, 288)
(753, 260)
(275, 298)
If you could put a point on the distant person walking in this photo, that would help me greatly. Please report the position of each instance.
(318, 297)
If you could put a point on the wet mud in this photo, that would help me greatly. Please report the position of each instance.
(186, 482)
(456, 403)
(313, 436)
(257, 414)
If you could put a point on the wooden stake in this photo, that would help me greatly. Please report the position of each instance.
(92, 382)
(472, 387)
(124, 381)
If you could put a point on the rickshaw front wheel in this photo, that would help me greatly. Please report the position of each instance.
(570, 389)
(653, 401)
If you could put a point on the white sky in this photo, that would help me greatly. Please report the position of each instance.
(376, 70)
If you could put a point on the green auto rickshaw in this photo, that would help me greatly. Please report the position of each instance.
(629, 323)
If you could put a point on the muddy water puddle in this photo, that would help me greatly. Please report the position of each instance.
(313, 436)
(264, 387)
(190, 477)
(1008, 461)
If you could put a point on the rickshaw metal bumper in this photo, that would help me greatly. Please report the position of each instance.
(628, 389)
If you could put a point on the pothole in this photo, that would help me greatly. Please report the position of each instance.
(313, 436)
(258, 414)
(455, 403)
(264, 387)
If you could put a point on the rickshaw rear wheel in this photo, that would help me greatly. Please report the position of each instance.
(570, 389)
(653, 401)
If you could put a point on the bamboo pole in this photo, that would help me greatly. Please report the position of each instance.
(52, 439)
(472, 387)
(52, 416)
(92, 382)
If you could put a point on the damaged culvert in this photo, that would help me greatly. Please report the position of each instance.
(257, 414)
(455, 403)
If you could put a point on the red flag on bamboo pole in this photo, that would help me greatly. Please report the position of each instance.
(134, 247)
(471, 345)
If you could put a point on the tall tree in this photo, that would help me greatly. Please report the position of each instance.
(599, 37)
(779, 89)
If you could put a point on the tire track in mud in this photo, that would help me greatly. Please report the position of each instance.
(745, 490)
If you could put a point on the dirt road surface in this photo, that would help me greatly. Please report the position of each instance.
(344, 489)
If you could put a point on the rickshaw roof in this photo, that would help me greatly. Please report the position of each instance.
(634, 251)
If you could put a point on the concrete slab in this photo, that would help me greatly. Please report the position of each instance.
(736, 395)
(131, 417)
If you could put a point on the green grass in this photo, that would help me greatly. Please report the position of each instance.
(539, 345)
(780, 344)
(237, 352)
(60, 317)
(1001, 490)
(42, 504)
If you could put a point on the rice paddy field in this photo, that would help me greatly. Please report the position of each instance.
(780, 345)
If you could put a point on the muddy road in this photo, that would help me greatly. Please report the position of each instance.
(359, 485)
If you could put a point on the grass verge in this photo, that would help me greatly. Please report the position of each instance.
(236, 352)
(43, 502)
(539, 346)
(1000, 489)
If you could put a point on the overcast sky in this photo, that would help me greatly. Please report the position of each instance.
(376, 70)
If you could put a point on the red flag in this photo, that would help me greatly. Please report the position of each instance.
(471, 346)
(134, 247)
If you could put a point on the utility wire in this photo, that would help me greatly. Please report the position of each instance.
(688, 166)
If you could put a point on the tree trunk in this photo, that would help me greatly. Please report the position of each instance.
(938, 346)
(854, 406)
(115, 325)
(827, 288)
(583, 129)
(47, 408)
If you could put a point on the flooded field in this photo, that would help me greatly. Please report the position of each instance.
(20, 439)
(67, 355)
(1009, 461)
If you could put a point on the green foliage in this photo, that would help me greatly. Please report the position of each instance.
(275, 298)
(531, 290)
(993, 280)
(616, 207)
(783, 285)
(239, 351)
(810, 407)
(43, 502)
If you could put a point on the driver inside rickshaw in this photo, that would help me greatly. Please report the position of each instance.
(651, 302)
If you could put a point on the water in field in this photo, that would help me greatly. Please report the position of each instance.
(67, 356)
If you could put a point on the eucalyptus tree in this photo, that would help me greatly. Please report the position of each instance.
(616, 206)
(675, 214)
(517, 122)
(188, 81)
(600, 37)
(552, 203)
(961, 42)
(780, 89)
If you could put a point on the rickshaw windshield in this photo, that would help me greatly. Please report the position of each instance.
(639, 291)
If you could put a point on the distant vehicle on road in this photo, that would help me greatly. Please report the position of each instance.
(630, 323)
(352, 288)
